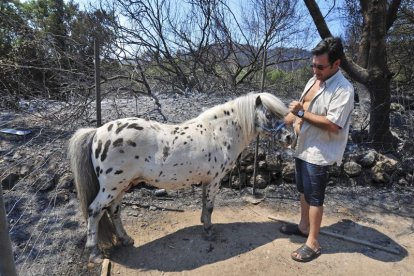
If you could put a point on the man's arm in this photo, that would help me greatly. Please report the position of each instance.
(316, 120)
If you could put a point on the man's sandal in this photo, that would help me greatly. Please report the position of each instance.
(305, 254)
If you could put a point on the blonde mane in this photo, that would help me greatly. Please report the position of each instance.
(244, 107)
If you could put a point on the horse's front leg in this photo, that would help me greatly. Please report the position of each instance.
(209, 193)
(115, 214)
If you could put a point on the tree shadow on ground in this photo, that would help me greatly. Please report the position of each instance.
(186, 249)
(353, 230)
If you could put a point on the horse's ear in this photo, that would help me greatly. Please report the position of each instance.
(258, 101)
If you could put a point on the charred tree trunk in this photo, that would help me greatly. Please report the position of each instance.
(372, 70)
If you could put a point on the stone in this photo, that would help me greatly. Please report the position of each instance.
(288, 172)
(396, 107)
(261, 181)
(262, 165)
(352, 169)
(368, 159)
(379, 175)
(25, 170)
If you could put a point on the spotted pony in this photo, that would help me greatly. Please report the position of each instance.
(106, 161)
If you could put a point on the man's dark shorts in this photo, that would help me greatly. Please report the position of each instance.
(311, 181)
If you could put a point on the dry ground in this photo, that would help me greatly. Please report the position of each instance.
(249, 243)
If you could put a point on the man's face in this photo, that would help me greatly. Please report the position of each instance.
(322, 68)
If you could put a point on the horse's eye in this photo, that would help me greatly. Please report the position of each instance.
(268, 116)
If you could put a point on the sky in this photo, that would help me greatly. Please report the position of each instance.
(333, 19)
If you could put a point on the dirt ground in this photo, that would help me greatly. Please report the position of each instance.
(247, 242)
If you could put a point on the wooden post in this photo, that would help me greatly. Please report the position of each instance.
(7, 266)
(97, 83)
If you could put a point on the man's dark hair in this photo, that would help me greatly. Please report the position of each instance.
(331, 46)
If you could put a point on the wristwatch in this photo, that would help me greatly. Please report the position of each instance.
(300, 113)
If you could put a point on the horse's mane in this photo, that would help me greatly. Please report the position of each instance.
(244, 108)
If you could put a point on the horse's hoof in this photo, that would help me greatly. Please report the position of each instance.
(127, 241)
(95, 257)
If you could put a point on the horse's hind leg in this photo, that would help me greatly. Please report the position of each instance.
(115, 214)
(209, 193)
(95, 211)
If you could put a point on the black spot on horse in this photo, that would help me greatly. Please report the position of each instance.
(110, 127)
(97, 170)
(186, 127)
(118, 172)
(160, 174)
(108, 170)
(98, 149)
(121, 151)
(120, 128)
(131, 143)
(114, 189)
(136, 157)
(165, 152)
(216, 174)
(118, 142)
(135, 126)
(105, 150)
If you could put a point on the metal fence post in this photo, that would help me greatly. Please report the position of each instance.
(7, 266)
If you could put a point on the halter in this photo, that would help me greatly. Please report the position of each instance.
(276, 129)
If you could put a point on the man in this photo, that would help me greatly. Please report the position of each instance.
(321, 120)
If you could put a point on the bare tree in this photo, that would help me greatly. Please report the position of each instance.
(371, 68)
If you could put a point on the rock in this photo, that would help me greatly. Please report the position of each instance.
(25, 170)
(250, 169)
(160, 192)
(45, 182)
(288, 172)
(402, 182)
(262, 165)
(379, 175)
(388, 164)
(352, 168)
(261, 181)
(396, 107)
(368, 159)
(9, 181)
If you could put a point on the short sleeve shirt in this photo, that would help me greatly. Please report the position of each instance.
(335, 100)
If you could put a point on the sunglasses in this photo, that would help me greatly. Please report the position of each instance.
(319, 66)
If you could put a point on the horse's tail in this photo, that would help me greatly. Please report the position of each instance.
(87, 184)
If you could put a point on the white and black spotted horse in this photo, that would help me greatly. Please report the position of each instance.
(107, 160)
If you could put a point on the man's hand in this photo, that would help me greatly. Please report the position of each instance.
(295, 106)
